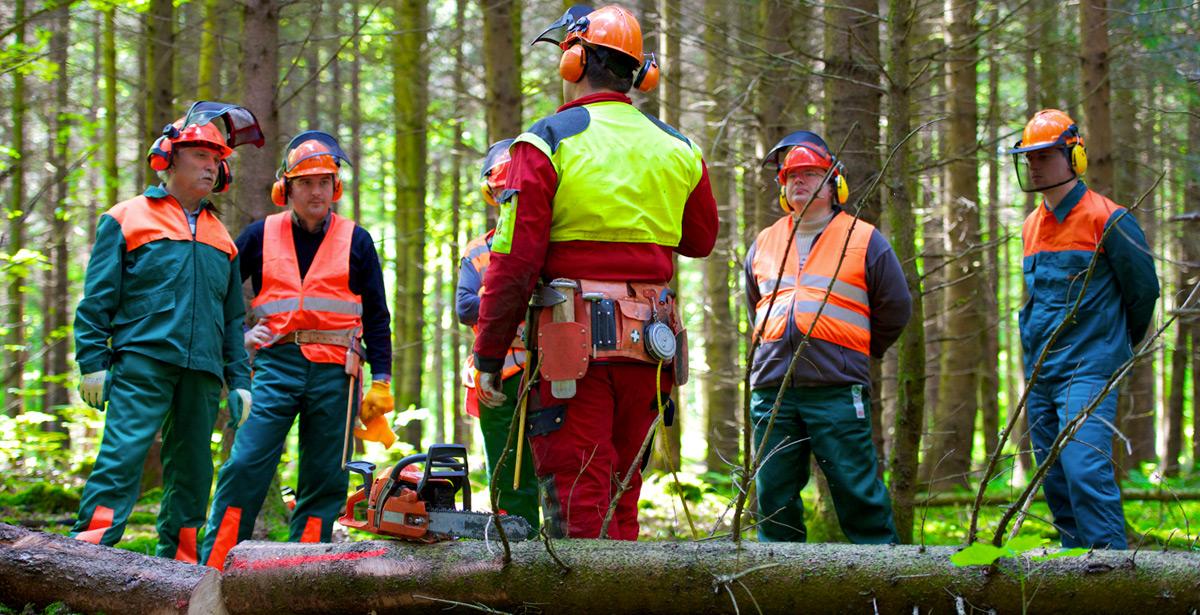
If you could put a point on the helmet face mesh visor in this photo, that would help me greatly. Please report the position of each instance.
(1025, 174)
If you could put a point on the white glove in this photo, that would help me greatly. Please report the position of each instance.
(91, 389)
(489, 389)
(239, 408)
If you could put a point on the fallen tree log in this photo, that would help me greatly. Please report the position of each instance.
(41, 569)
(694, 577)
(962, 499)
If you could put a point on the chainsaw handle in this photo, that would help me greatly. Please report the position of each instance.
(348, 519)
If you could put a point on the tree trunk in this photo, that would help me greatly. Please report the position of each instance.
(55, 371)
(160, 69)
(709, 577)
(15, 353)
(720, 383)
(40, 569)
(910, 349)
(779, 100)
(209, 75)
(648, 19)
(852, 95)
(1136, 404)
(410, 90)
(502, 68)
(1093, 35)
(1193, 198)
(356, 113)
(260, 73)
(463, 429)
(961, 356)
(1174, 418)
(670, 62)
(989, 383)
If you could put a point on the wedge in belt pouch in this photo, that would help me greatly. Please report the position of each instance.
(580, 321)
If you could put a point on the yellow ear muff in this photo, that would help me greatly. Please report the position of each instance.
(843, 189)
(1079, 161)
(783, 202)
(488, 196)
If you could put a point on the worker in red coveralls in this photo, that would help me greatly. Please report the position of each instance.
(599, 197)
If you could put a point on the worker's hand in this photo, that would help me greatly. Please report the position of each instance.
(91, 389)
(489, 387)
(239, 404)
(258, 335)
(378, 401)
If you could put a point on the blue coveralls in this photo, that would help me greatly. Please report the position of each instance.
(1116, 310)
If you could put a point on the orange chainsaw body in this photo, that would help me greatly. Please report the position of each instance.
(396, 505)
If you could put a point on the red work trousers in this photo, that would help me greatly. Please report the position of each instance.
(581, 462)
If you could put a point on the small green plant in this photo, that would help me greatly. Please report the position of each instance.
(1016, 548)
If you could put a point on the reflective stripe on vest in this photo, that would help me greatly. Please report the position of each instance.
(845, 318)
(623, 179)
(144, 219)
(322, 301)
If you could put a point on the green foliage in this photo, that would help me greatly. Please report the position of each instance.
(985, 554)
(43, 497)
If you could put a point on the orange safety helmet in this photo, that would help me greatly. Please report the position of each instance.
(807, 149)
(309, 153)
(1049, 128)
(611, 27)
(494, 174)
(199, 127)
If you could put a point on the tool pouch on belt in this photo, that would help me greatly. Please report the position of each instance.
(612, 320)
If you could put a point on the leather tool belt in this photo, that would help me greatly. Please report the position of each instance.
(609, 320)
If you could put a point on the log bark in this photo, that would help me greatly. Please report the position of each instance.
(41, 569)
(708, 577)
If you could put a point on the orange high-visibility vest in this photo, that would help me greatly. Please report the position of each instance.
(479, 254)
(845, 319)
(322, 301)
(144, 219)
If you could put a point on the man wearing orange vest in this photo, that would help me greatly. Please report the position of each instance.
(826, 407)
(599, 197)
(495, 422)
(1061, 237)
(319, 292)
(159, 332)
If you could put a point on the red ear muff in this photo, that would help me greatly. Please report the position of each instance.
(572, 64)
(279, 192)
(224, 178)
(337, 188)
(647, 77)
(159, 155)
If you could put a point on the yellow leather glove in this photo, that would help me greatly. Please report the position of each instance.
(377, 403)
(377, 430)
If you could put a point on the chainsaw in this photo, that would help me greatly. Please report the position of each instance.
(418, 503)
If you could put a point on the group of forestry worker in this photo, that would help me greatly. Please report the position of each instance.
(569, 299)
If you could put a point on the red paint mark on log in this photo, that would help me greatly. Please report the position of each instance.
(300, 560)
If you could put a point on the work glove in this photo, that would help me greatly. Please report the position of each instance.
(489, 387)
(378, 401)
(239, 408)
(91, 389)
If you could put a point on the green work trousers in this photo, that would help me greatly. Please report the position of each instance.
(495, 423)
(285, 385)
(834, 423)
(147, 394)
